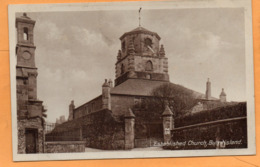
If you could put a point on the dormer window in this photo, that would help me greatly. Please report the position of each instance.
(25, 34)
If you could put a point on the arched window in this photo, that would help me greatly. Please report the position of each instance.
(122, 69)
(148, 42)
(25, 34)
(149, 66)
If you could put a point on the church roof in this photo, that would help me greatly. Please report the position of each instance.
(142, 87)
(139, 30)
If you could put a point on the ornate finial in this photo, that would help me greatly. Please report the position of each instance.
(25, 14)
(162, 52)
(208, 79)
(140, 16)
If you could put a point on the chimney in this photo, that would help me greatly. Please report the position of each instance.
(106, 97)
(110, 82)
(208, 90)
(71, 109)
(222, 96)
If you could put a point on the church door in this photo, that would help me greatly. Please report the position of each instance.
(30, 140)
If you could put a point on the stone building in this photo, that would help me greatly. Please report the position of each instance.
(141, 67)
(30, 111)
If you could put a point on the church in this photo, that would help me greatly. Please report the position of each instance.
(110, 120)
(141, 67)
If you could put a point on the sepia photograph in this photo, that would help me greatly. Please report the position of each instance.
(131, 80)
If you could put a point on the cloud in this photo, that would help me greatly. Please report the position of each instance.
(77, 51)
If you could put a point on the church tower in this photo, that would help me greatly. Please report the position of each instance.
(141, 57)
(30, 111)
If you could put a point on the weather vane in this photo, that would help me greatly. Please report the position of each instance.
(140, 16)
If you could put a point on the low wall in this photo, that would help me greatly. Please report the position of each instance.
(227, 133)
(99, 129)
(64, 146)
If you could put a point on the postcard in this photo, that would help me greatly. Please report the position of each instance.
(132, 80)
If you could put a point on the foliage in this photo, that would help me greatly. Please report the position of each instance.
(226, 112)
(178, 97)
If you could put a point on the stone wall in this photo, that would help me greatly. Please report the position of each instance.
(87, 108)
(227, 133)
(99, 129)
(64, 147)
(33, 123)
(120, 104)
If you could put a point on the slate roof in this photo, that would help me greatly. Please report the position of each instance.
(140, 30)
(142, 87)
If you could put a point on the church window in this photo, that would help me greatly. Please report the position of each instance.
(149, 66)
(123, 46)
(25, 33)
(122, 69)
(148, 42)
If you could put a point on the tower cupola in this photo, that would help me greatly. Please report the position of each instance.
(141, 57)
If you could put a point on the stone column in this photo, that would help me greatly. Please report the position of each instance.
(167, 124)
(129, 129)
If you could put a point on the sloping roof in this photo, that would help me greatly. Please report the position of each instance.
(140, 30)
(142, 87)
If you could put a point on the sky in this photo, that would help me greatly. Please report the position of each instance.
(76, 51)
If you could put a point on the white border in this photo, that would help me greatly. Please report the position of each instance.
(246, 4)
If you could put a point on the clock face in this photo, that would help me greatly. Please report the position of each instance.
(26, 55)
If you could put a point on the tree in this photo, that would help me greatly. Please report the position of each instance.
(179, 98)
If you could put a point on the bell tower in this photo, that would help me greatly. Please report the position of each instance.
(25, 52)
(141, 57)
(25, 49)
(30, 111)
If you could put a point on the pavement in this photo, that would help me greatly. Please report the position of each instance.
(88, 149)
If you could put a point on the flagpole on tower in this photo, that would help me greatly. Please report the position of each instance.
(140, 16)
